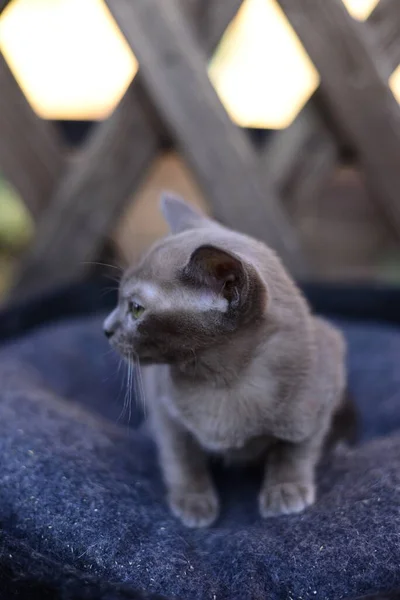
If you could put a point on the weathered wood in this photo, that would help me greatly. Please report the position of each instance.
(31, 155)
(290, 157)
(76, 191)
(309, 175)
(354, 82)
(219, 153)
(205, 15)
(307, 140)
(95, 190)
(385, 24)
(84, 206)
(292, 145)
(3, 5)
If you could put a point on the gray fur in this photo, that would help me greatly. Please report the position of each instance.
(179, 215)
(235, 364)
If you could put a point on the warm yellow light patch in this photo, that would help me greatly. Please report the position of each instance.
(360, 9)
(68, 56)
(394, 83)
(261, 71)
(72, 62)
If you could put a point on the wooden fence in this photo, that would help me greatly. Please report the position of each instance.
(75, 200)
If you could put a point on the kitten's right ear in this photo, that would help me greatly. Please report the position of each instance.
(227, 275)
(179, 215)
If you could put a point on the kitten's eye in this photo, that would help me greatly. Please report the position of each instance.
(136, 309)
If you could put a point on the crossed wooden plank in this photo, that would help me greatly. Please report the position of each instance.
(95, 189)
(354, 83)
(300, 158)
(120, 149)
(31, 155)
(31, 152)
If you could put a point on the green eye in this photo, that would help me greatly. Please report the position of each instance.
(136, 309)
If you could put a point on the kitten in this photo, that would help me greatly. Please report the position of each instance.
(238, 365)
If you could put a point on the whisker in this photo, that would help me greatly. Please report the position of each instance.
(126, 383)
(131, 366)
(108, 290)
(113, 278)
(139, 387)
(115, 372)
(142, 390)
(121, 387)
(130, 391)
(134, 386)
(108, 352)
(120, 361)
(101, 264)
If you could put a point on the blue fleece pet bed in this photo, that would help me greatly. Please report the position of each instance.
(82, 505)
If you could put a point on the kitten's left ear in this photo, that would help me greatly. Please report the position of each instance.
(226, 274)
(179, 215)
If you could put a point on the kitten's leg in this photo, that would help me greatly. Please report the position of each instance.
(289, 480)
(191, 494)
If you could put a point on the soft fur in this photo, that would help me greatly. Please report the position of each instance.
(240, 367)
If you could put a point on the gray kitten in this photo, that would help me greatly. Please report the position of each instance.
(235, 364)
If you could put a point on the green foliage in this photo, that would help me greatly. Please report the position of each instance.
(16, 226)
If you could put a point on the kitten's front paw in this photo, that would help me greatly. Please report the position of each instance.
(195, 509)
(286, 498)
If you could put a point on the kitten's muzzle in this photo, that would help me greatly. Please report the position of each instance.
(108, 333)
(110, 324)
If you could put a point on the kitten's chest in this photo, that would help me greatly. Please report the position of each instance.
(225, 420)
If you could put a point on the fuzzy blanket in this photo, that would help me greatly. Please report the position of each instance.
(82, 505)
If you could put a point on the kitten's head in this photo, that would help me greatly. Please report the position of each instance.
(191, 291)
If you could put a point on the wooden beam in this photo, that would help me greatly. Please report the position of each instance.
(299, 158)
(354, 82)
(385, 24)
(206, 15)
(84, 206)
(3, 5)
(31, 153)
(209, 24)
(174, 72)
(95, 190)
(298, 153)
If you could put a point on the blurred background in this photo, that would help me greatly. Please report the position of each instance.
(73, 66)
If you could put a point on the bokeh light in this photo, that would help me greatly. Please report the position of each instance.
(68, 56)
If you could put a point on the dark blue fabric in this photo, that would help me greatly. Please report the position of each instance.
(81, 489)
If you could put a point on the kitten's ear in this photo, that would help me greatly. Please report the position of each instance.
(179, 215)
(221, 271)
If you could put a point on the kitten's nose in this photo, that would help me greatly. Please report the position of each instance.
(108, 333)
(111, 324)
